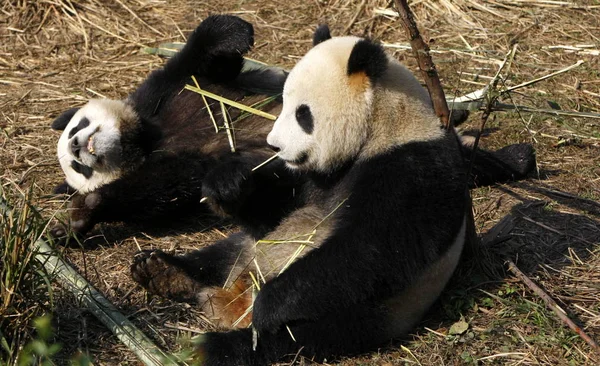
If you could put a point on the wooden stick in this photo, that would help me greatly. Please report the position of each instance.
(512, 267)
(421, 52)
(438, 99)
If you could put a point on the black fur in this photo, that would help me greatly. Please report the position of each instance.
(63, 120)
(305, 118)
(321, 34)
(510, 163)
(214, 50)
(64, 188)
(81, 125)
(368, 57)
(84, 170)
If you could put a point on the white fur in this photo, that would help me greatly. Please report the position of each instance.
(105, 118)
(337, 109)
(353, 119)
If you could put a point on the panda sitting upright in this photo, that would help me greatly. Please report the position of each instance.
(378, 236)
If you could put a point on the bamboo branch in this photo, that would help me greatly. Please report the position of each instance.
(552, 305)
(131, 336)
(426, 65)
(96, 303)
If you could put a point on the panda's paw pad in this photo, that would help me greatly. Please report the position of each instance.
(58, 232)
(158, 273)
(148, 266)
(61, 234)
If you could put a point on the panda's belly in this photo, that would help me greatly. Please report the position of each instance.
(406, 309)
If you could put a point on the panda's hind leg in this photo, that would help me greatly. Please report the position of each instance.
(211, 277)
(164, 274)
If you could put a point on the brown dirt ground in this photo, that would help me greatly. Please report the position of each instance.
(56, 54)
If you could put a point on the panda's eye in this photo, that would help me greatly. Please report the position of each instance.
(305, 118)
(83, 123)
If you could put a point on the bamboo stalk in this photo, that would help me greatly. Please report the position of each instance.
(231, 102)
(100, 306)
(131, 336)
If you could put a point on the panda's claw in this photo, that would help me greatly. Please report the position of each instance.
(159, 274)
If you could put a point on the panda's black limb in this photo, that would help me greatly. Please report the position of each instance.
(344, 332)
(256, 200)
(213, 50)
(182, 277)
(510, 163)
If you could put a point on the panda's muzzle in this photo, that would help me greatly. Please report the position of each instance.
(77, 143)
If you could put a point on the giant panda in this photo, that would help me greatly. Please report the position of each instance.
(144, 159)
(376, 238)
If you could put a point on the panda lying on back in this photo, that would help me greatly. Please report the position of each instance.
(379, 234)
(145, 159)
(152, 157)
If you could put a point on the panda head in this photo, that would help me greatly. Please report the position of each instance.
(346, 100)
(90, 149)
(326, 103)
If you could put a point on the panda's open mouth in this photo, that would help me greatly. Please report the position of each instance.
(90, 144)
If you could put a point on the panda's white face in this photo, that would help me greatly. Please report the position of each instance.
(89, 149)
(323, 122)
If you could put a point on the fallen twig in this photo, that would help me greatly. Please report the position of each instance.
(512, 267)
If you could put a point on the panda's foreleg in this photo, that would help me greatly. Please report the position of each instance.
(214, 50)
(255, 199)
(165, 187)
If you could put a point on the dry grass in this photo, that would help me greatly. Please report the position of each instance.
(56, 54)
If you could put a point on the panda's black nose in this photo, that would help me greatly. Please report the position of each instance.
(274, 148)
(75, 146)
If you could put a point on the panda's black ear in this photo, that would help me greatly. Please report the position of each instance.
(321, 34)
(61, 122)
(368, 57)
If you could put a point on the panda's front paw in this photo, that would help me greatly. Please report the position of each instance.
(227, 186)
(160, 274)
(225, 34)
(82, 212)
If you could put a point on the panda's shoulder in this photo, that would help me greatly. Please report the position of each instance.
(412, 167)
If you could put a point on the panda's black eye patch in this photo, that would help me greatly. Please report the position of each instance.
(84, 170)
(305, 118)
(80, 126)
